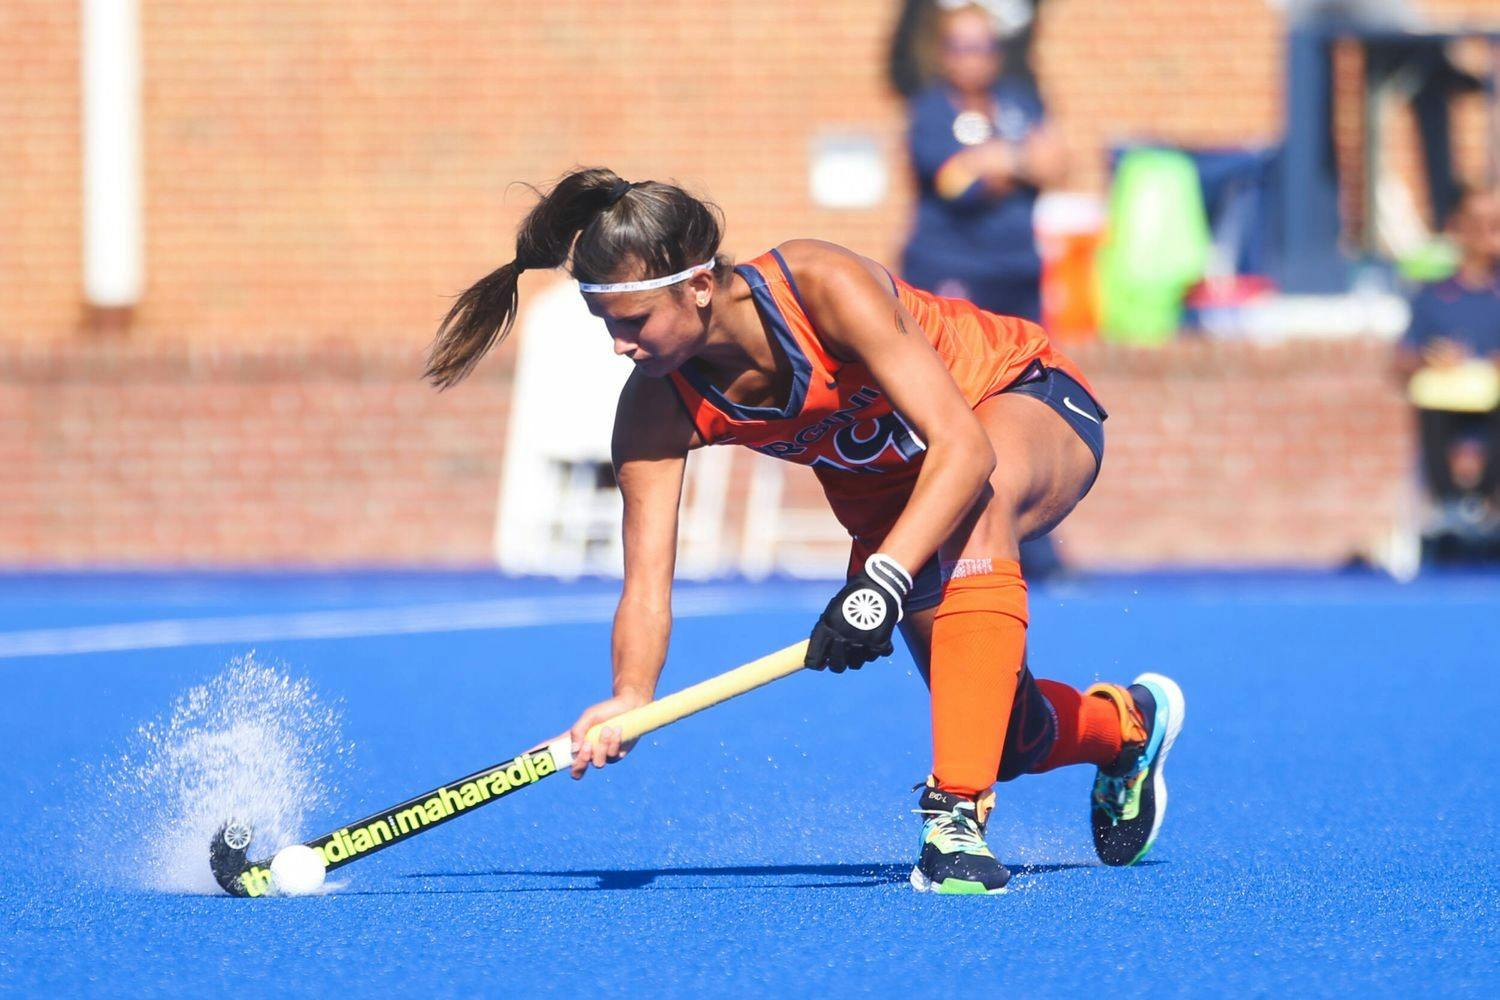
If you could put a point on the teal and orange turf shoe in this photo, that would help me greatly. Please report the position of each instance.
(955, 858)
(1130, 796)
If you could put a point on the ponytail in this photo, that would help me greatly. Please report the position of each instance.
(659, 227)
(483, 314)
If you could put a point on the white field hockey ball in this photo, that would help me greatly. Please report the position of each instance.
(297, 871)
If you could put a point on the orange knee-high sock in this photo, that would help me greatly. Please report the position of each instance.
(1088, 728)
(978, 640)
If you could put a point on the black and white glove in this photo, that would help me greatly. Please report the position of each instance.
(856, 626)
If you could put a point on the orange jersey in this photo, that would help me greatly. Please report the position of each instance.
(837, 419)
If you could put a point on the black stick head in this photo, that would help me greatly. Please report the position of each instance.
(226, 856)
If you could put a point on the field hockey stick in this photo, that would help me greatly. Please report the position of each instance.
(240, 877)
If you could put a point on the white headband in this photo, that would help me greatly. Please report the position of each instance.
(650, 283)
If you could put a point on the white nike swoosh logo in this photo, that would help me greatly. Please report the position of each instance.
(1087, 416)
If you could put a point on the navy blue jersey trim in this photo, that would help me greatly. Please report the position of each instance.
(765, 305)
(796, 292)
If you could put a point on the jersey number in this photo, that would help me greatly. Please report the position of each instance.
(890, 431)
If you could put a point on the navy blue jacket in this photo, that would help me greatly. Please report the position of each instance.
(1468, 317)
(977, 240)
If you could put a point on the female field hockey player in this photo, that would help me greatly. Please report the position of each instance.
(942, 435)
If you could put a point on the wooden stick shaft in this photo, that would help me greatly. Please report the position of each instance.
(705, 694)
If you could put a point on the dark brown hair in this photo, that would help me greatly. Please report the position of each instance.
(608, 226)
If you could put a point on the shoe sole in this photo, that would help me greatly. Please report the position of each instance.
(951, 886)
(1167, 693)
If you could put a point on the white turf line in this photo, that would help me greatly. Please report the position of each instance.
(411, 619)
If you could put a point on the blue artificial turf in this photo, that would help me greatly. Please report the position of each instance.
(1332, 825)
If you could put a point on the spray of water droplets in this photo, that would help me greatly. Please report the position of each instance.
(253, 744)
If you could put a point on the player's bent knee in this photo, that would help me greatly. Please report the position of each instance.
(993, 535)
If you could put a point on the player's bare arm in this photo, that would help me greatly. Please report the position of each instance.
(851, 300)
(651, 439)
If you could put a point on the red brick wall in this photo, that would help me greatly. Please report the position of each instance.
(362, 175)
(1230, 453)
(202, 455)
(41, 191)
(211, 455)
(318, 169)
(1206, 73)
(321, 176)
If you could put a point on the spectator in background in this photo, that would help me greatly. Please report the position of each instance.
(981, 150)
(1451, 354)
(912, 64)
